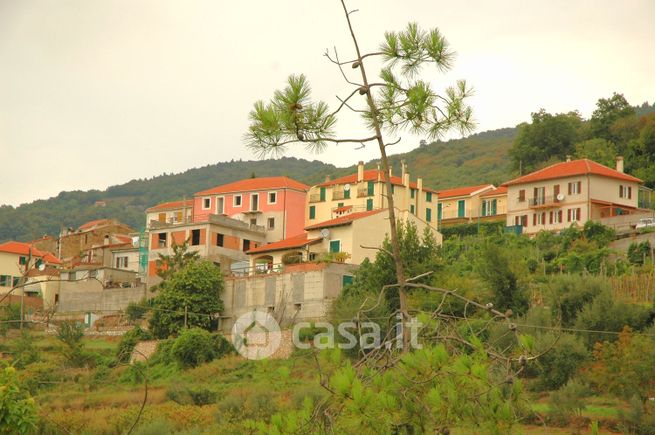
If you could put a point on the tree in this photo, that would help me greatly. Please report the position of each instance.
(608, 111)
(169, 264)
(17, 409)
(196, 289)
(548, 137)
(597, 149)
(494, 267)
(399, 101)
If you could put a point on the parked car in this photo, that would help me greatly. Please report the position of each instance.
(645, 223)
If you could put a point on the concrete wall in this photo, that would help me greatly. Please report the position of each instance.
(85, 296)
(301, 292)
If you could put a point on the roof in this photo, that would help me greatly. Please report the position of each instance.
(263, 183)
(289, 243)
(502, 190)
(343, 209)
(94, 223)
(171, 205)
(344, 220)
(20, 248)
(571, 169)
(462, 191)
(371, 175)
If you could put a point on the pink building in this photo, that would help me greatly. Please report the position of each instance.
(275, 203)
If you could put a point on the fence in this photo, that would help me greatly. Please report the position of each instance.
(636, 289)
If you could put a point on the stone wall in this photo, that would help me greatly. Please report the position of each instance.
(84, 296)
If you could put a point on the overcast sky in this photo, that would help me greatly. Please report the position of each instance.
(98, 92)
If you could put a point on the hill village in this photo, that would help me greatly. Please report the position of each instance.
(287, 248)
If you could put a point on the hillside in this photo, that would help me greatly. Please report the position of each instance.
(476, 159)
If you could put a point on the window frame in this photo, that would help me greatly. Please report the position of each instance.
(220, 200)
(204, 200)
(234, 201)
(268, 197)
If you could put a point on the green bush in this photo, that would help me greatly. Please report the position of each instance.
(8, 316)
(70, 334)
(568, 401)
(24, 351)
(187, 395)
(193, 347)
(637, 252)
(561, 360)
(568, 294)
(129, 340)
(136, 310)
(639, 418)
(17, 409)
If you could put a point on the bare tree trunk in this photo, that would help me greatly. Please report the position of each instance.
(395, 246)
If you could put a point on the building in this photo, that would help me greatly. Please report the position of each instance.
(173, 212)
(273, 203)
(72, 243)
(493, 204)
(41, 270)
(571, 192)
(349, 239)
(463, 204)
(366, 191)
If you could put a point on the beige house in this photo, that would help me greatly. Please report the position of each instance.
(463, 204)
(568, 193)
(349, 238)
(493, 204)
(366, 191)
(174, 212)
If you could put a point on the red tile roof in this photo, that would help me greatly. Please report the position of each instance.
(171, 205)
(502, 190)
(290, 243)
(343, 209)
(344, 220)
(571, 169)
(263, 183)
(371, 175)
(94, 223)
(461, 191)
(20, 248)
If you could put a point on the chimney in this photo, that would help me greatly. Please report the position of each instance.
(619, 163)
(568, 158)
(419, 184)
(379, 174)
(360, 171)
(327, 178)
(106, 239)
(403, 169)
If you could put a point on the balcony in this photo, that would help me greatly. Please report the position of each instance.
(543, 201)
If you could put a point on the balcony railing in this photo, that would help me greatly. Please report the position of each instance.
(543, 201)
(362, 192)
(339, 194)
(315, 197)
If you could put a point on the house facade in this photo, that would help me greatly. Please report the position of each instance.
(350, 239)
(273, 203)
(173, 212)
(366, 190)
(571, 192)
(464, 204)
(493, 204)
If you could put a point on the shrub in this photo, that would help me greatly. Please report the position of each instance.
(639, 419)
(129, 340)
(136, 310)
(637, 252)
(561, 361)
(568, 401)
(568, 294)
(17, 410)
(24, 351)
(70, 334)
(193, 347)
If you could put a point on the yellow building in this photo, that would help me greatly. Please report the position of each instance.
(366, 191)
(570, 192)
(349, 238)
(464, 204)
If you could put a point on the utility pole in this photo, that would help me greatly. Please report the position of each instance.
(186, 310)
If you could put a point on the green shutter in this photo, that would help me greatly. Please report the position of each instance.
(393, 189)
(312, 212)
(340, 204)
(346, 194)
(371, 188)
(335, 246)
(347, 280)
(369, 204)
(461, 208)
(322, 193)
(493, 207)
(428, 214)
(413, 193)
(484, 208)
(439, 211)
(412, 209)
(428, 196)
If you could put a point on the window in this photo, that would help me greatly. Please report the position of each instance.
(393, 189)
(428, 215)
(575, 187)
(313, 256)
(220, 205)
(220, 239)
(254, 202)
(271, 223)
(461, 208)
(162, 240)
(206, 203)
(370, 188)
(179, 216)
(312, 212)
(428, 196)
(573, 215)
(625, 192)
(369, 204)
(246, 245)
(347, 280)
(161, 217)
(5, 281)
(121, 263)
(335, 245)
(22, 260)
(539, 195)
(339, 204)
(522, 195)
(72, 276)
(412, 209)
(412, 193)
(322, 194)
(236, 200)
(94, 273)
(195, 237)
(272, 197)
(555, 217)
(253, 221)
(346, 194)
(15, 281)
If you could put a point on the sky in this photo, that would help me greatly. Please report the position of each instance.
(96, 93)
